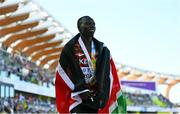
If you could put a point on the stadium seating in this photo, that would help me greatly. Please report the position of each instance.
(13, 66)
(24, 69)
(27, 104)
(147, 100)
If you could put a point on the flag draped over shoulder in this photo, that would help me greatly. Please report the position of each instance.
(70, 81)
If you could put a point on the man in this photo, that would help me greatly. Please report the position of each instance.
(86, 77)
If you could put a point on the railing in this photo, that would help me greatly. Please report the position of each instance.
(27, 86)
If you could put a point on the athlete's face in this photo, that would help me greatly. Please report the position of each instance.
(87, 27)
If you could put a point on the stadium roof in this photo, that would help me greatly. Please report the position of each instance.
(29, 30)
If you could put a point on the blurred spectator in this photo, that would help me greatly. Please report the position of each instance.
(26, 104)
(24, 69)
(146, 100)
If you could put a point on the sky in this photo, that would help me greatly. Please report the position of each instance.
(139, 33)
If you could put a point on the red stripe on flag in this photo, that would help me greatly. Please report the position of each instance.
(115, 76)
(115, 89)
(63, 94)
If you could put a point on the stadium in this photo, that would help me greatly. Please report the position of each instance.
(31, 41)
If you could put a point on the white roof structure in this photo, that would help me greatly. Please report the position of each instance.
(29, 30)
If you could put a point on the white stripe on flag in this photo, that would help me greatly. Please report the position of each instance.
(111, 81)
(119, 93)
(115, 104)
(113, 107)
(77, 98)
(65, 77)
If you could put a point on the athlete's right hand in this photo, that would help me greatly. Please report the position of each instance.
(86, 96)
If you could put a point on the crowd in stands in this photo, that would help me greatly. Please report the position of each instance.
(165, 100)
(14, 64)
(138, 99)
(146, 100)
(27, 104)
(30, 104)
(24, 69)
(30, 72)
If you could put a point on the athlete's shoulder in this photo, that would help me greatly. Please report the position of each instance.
(71, 42)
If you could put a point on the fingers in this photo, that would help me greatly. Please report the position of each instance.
(86, 95)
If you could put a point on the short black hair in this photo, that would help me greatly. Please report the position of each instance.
(83, 18)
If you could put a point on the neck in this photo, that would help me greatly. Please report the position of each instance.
(87, 40)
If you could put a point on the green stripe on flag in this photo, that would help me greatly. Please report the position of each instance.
(121, 108)
(116, 110)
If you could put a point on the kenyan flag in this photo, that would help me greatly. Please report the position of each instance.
(116, 102)
(70, 82)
